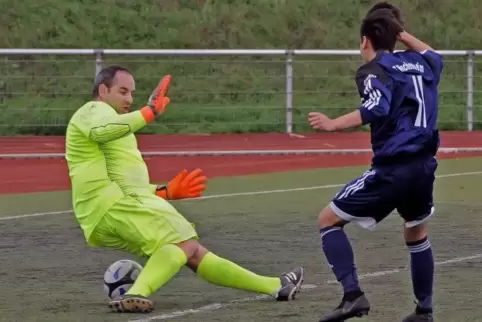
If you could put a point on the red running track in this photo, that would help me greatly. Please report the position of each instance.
(37, 175)
(271, 141)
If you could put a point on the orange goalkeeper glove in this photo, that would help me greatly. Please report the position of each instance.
(184, 185)
(158, 100)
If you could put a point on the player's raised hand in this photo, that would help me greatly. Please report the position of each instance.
(320, 121)
(184, 185)
(158, 99)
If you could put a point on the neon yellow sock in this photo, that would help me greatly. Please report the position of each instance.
(222, 272)
(159, 269)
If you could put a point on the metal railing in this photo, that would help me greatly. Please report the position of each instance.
(289, 59)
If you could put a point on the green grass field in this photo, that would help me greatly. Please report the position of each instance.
(51, 275)
(222, 93)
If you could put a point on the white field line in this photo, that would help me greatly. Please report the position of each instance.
(237, 194)
(59, 155)
(217, 306)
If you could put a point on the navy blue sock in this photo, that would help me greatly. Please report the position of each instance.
(422, 265)
(339, 254)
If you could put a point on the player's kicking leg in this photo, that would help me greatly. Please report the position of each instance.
(359, 201)
(169, 259)
(339, 253)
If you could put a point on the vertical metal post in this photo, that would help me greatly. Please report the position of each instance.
(470, 91)
(289, 91)
(98, 61)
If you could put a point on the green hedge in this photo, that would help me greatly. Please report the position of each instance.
(218, 93)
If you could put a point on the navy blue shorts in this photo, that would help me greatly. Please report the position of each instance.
(370, 198)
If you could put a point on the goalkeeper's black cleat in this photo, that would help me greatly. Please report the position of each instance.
(131, 304)
(353, 304)
(290, 285)
(420, 315)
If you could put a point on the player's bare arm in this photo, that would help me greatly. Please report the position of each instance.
(374, 88)
(413, 42)
(320, 121)
(433, 58)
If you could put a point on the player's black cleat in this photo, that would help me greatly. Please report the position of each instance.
(290, 285)
(420, 315)
(131, 304)
(353, 304)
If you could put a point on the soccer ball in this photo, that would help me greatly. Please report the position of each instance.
(120, 276)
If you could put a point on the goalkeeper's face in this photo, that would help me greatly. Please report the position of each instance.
(120, 94)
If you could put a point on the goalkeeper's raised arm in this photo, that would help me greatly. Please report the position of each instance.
(108, 117)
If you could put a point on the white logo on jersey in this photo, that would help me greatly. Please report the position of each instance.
(405, 67)
(371, 95)
(368, 78)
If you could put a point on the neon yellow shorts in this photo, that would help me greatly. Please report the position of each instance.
(141, 226)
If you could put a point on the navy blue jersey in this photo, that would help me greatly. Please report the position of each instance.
(399, 94)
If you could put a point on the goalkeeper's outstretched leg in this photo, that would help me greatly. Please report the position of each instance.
(158, 231)
(166, 261)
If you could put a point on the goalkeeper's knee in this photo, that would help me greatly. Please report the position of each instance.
(194, 251)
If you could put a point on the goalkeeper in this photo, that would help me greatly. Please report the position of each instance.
(117, 206)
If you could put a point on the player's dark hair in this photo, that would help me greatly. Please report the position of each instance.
(385, 5)
(106, 77)
(382, 29)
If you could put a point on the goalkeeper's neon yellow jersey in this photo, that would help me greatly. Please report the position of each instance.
(104, 161)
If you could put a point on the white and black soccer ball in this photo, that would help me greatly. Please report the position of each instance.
(120, 276)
